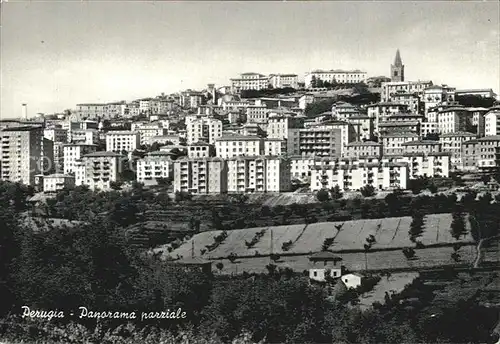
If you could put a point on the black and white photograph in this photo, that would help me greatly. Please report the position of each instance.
(249, 172)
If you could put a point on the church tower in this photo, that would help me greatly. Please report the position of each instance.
(397, 69)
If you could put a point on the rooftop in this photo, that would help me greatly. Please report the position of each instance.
(102, 154)
(238, 137)
(22, 128)
(421, 142)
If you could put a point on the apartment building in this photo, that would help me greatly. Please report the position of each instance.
(336, 76)
(480, 153)
(320, 141)
(56, 134)
(147, 133)
(72, 152)
(421, 146)
(353, 175)
(200, 150)
(250, 129)
(411, 100)
(482, 92)
(300, 166)
(427, 128)
(119, 141)
(54, 183)
(421, 164)
(343, 111)
(98, 170)
(274, 147)
(492, 122)
(154, 166)
(360, 149)
(381, 111)
(284, 80)
(452, 143)
(257, 114)
(201, 176)
(249, 81)
(389, 89)
(393, 143)
(235, 105)
(436, 95)
(258, 174)
(22, 154)
(233, 145)
(202, 129)
(278, 126)
(394, 127)
(454, 119)
(83, 136)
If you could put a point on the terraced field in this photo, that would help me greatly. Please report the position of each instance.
(349, 235)
(378, 260)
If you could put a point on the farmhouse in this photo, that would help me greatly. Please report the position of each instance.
(352, 281)
(319, 272)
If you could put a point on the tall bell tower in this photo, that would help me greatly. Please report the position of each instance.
(397, 69)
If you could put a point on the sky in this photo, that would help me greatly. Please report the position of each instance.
(57, 54)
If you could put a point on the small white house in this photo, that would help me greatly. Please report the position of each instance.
(353, 280)
(324, 264)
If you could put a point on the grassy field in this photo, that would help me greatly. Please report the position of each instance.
(425, 258)
(306, 239)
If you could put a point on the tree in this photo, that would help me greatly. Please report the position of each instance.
(416, 226)
(275, 257)
(457, 226)
(322, 195)
(368, 190)
(232, 257)
(409, 253)
(336, 193)
(219, 266)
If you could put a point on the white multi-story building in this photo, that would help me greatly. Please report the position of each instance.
(202, 129)
(83, 136)
(364, 126)
(229, 146)
(454, 119)
(484, 93)
(434, 164)
(119, 141)
(353, 175)
(436, 95)
(98, 170)
(278, 126)
(146, 134)
(300, 166)
(335, 76)
(389, 89)
(492, 122)
(154, 166)
(249, 81)
(201, 150)
(257, 114)
(54, 183)
(274, 147)
(381, 111)
(343, 111)
(22, 154)
(480, 153)
(284, 80)
(72, 152)
(258, 174)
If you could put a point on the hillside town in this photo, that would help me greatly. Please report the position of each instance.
(263, 134)
(224, 195)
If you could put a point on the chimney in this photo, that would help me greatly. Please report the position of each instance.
(25, 111)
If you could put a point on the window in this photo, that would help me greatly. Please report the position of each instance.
(315, 273)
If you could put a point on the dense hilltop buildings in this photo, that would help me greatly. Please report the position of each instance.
(262, 132)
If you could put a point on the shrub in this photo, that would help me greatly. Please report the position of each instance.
(368, 191)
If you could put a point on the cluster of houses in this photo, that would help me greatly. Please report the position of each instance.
(215, 141)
